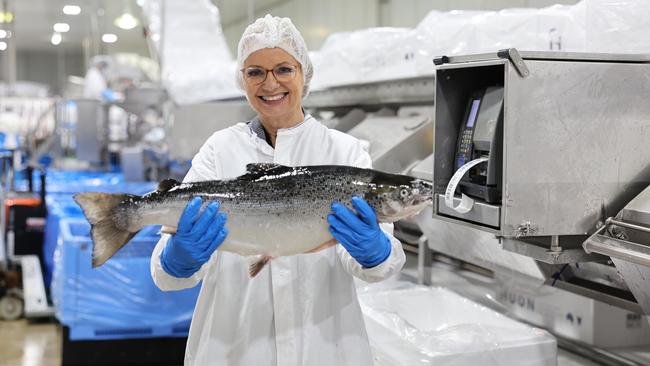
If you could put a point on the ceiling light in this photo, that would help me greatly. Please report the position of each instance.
(61, 27)
(126, 21)
(56, 38)
(6, 17)
(3, 33)
(109, 38)
(71, 10)
(3, 46)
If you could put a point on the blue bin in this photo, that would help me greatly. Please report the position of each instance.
(59, 206)
(62, 205)
(58, 181)
(119, 299)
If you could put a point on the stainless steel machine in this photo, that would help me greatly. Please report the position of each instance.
(193, 124)
(101, 128)
(91, 130)
(625, 238)
(538, 159)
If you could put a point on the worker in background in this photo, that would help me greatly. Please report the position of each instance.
(95, 81)
(302, 309)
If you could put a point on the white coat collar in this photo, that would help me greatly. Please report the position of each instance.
(297, 128)
(257, 132)
(257, 129)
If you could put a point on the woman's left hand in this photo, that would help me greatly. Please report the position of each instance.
(359, 233)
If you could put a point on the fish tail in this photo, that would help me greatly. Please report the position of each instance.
(100, 210)
(255, 267)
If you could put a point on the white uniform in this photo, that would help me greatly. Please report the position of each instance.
(299, 310)
(94, 84)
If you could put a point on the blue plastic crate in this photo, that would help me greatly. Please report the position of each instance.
(78, 332)
(61, 205)
(119, 299)
(59, 181)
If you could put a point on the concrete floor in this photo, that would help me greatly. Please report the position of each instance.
(26, 344)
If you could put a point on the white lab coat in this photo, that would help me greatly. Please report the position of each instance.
(299, 310)
(94, 84)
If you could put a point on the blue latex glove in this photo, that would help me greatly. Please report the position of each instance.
(195, 239)
(109, 95)
(359, 234)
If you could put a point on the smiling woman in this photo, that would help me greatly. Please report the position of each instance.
(276, 95)
(299, 309)
(274, 71)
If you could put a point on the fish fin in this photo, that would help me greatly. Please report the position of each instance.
(255, 267)
(99, 209)
(167, 230)
(167, 184)
(257, 170)
(325, 245)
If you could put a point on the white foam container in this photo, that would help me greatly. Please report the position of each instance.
(422, 325)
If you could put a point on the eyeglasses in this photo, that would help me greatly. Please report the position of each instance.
(255, 75)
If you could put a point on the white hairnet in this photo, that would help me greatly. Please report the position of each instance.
(272, 32)
(101, 60)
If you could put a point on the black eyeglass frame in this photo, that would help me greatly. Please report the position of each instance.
(266, 73)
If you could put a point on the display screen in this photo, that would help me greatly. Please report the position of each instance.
(472, 113)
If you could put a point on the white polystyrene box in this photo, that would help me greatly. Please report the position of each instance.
(422, 325)
(576, 317)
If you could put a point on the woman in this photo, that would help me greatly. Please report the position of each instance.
(299, 310)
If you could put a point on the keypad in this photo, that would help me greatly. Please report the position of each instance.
(466, 141)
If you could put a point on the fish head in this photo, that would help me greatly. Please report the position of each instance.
(395, 197)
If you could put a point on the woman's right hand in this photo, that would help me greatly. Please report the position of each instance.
(195, 240)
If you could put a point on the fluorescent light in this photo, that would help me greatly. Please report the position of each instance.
(71, 10)
(126, 21)
(109, 38)
(61, 27)
(3, 33)
(3, 46)
(6, 17)
(56, 38)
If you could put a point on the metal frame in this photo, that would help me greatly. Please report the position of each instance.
(417, 90)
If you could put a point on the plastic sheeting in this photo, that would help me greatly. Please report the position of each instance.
(417, 325)
(364, 55)
(118, 299)
(25, 89)
(617, 26)
(375, 54)
(196, 63)
(391, 53)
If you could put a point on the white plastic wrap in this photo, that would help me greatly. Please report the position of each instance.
(392, 53)
(24, 89)
(353, 57)
(196, 63)
(417, 325)
(618, 26)
(27, 116)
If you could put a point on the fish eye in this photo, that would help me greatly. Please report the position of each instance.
(403, 193)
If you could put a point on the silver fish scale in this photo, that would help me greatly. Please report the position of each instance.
(296, 192)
